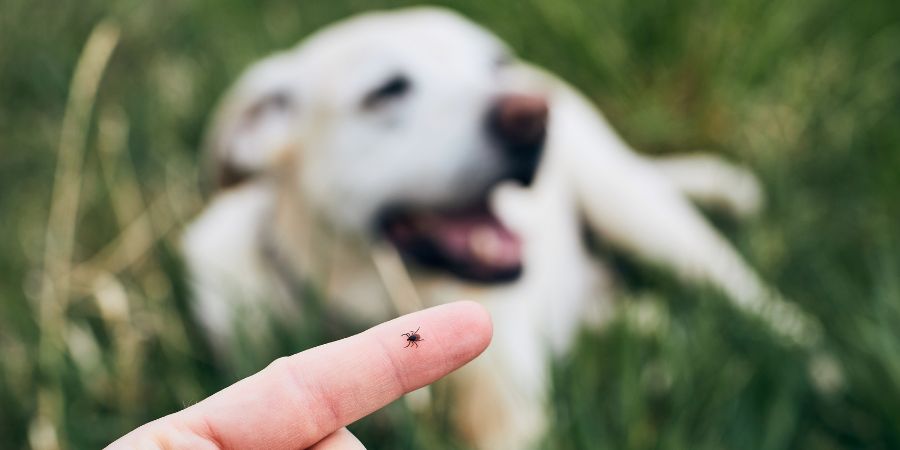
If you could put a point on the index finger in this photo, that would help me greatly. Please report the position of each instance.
(298, 400)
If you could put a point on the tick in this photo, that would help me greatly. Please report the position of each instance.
(413, 338)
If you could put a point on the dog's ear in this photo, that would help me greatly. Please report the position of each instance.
(253, 129)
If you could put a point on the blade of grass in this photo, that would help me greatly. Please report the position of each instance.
(62, 221)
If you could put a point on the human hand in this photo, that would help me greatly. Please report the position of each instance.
(306, 400)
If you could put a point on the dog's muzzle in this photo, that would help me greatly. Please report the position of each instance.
(469, 241)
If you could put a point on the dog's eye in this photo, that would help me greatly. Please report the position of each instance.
(276, 102)
(279, 101)
(395, 87)
(504, 59)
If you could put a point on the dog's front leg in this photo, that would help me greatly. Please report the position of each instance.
(710, 181)
(632, 205)
(503, 396)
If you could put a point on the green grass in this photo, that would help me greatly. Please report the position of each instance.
(806, 92)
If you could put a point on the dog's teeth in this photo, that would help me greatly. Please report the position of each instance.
(486, 244)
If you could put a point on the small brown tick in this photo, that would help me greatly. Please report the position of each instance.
(413, 338)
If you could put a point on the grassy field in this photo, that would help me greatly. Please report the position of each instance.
(99, 171)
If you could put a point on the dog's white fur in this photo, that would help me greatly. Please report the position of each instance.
(318, 169)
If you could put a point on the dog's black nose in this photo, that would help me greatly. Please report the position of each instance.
(519, 121)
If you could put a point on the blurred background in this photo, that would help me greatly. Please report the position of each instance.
(99, 172)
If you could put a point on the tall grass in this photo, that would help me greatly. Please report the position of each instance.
(95, 183)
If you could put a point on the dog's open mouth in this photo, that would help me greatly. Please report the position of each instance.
(470, 242)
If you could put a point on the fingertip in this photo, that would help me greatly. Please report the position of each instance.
(479, 319)
(451, 335)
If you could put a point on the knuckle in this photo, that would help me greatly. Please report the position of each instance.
(172, 437)
(309, 400)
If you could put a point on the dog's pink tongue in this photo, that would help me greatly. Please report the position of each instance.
(479, 237)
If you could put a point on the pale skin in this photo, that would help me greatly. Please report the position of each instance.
(306, 400)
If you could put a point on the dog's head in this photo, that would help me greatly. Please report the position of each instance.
(396, 125)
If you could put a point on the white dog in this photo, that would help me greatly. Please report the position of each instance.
(403, 159)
